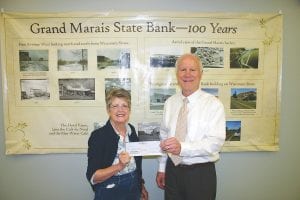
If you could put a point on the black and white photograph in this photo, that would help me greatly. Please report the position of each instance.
(36, 89)
(111, 83)
(34, 60)
(211, 57)
(233, 130)
(158, 96)
(213, 91)
(72, 59)
(243, 98)
(76, 89)
(149, 131)
(163, 60)
(245, 58)
(113, 58)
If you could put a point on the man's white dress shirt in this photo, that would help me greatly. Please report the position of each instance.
(206, 127)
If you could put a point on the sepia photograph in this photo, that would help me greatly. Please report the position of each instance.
(33, 60)
(113, 58)
(233, 131)
(72, 59)
(211, 57)
(245, 58)
(243, 98)
(111, 83)
(36, 89)
(76, 89)
(159, 96)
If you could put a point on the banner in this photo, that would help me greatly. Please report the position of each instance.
(57, 68)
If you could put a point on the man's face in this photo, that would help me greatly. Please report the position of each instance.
(188, 75)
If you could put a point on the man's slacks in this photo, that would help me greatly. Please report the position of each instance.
(190, 182)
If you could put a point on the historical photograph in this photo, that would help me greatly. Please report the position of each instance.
(113, 58)
(244, 58)
(149, 131)
(158, 97)
(34, 60)
(243, 98)
(213, 91)
(72, 59)
(233, 130)
(211, 57)
(163, 60)
(111, 83)
(76, 89)
(36, 89)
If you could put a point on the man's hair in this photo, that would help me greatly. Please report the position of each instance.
(190, 55)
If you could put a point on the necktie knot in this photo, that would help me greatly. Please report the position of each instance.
(185, 100)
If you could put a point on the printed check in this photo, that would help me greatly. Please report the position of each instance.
(145, 148)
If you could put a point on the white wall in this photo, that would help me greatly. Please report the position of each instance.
(241, 176)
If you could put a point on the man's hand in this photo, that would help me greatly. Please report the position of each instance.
(171, 145)
(160, 180)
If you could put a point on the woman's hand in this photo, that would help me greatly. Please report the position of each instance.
(144, 193)
(124, 159)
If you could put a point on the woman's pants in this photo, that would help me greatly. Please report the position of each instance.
(123, 187)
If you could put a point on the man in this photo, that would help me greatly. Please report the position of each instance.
(194, 178)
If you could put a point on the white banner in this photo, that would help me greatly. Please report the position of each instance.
(56, 69)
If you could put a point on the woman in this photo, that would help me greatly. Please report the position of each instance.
(111, 171)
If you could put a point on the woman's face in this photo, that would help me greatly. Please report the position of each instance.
(119, 111)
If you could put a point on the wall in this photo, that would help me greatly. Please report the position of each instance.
(241, 176)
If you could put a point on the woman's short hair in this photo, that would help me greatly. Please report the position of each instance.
(117, 93)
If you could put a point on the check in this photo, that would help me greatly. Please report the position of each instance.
(145, 148)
